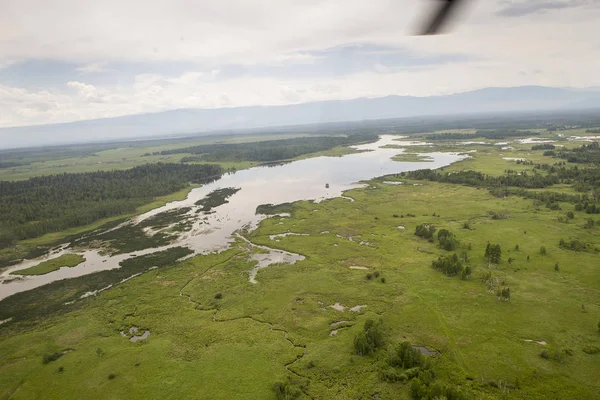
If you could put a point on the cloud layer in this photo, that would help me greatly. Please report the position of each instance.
(69, 60)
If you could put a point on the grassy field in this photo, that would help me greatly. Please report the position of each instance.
(66, 260)
(214, 335)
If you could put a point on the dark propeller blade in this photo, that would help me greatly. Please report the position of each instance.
(442, 15)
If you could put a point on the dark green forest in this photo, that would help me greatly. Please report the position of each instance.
(270, 150)
(55, 202)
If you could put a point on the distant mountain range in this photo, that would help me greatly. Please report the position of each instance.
(189, 121)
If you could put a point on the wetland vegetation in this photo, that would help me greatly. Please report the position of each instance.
(465, 301)
(66, 260)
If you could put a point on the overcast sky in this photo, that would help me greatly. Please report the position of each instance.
(67, 60)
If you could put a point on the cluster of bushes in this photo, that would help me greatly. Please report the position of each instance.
(370, 339)
(447, 240)
(450, 265)
(424, 387)
(425, 231)
(496, 215)
(589, 208)
(406, 363)
(573, 245)
(543, 146)
(374, 275)
(503, 293)
(289, 389)
(403, 363)
(555, 355)
(48, 358)
(493, 253)
(490, 281)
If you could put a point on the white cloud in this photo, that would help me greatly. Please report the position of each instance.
(550, 47)
(91, 68)
(382, 69)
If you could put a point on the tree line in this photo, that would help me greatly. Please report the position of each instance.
(52, 203)
(585, 180)
(484, 134)
(587, 153)
(269, 150)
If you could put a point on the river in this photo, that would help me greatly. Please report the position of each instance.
(299, 180)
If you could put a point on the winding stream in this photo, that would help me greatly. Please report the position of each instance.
(299, 180)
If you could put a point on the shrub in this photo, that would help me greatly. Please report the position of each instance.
(403, 355)
(369, 276)
(52, 357)
(447, 239)
(553, 355)
(111, 376)
(392, 375)
(574, 245)
(382, 280)
(219, 295)
(449, 265)
(543, 250)
(425, 231)
(466, 273)
(505, 294)
(591, 349)
(493, 253)
(568, 352)
(370, 339)
(556, 267)
(376, 274)
(496, 215)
